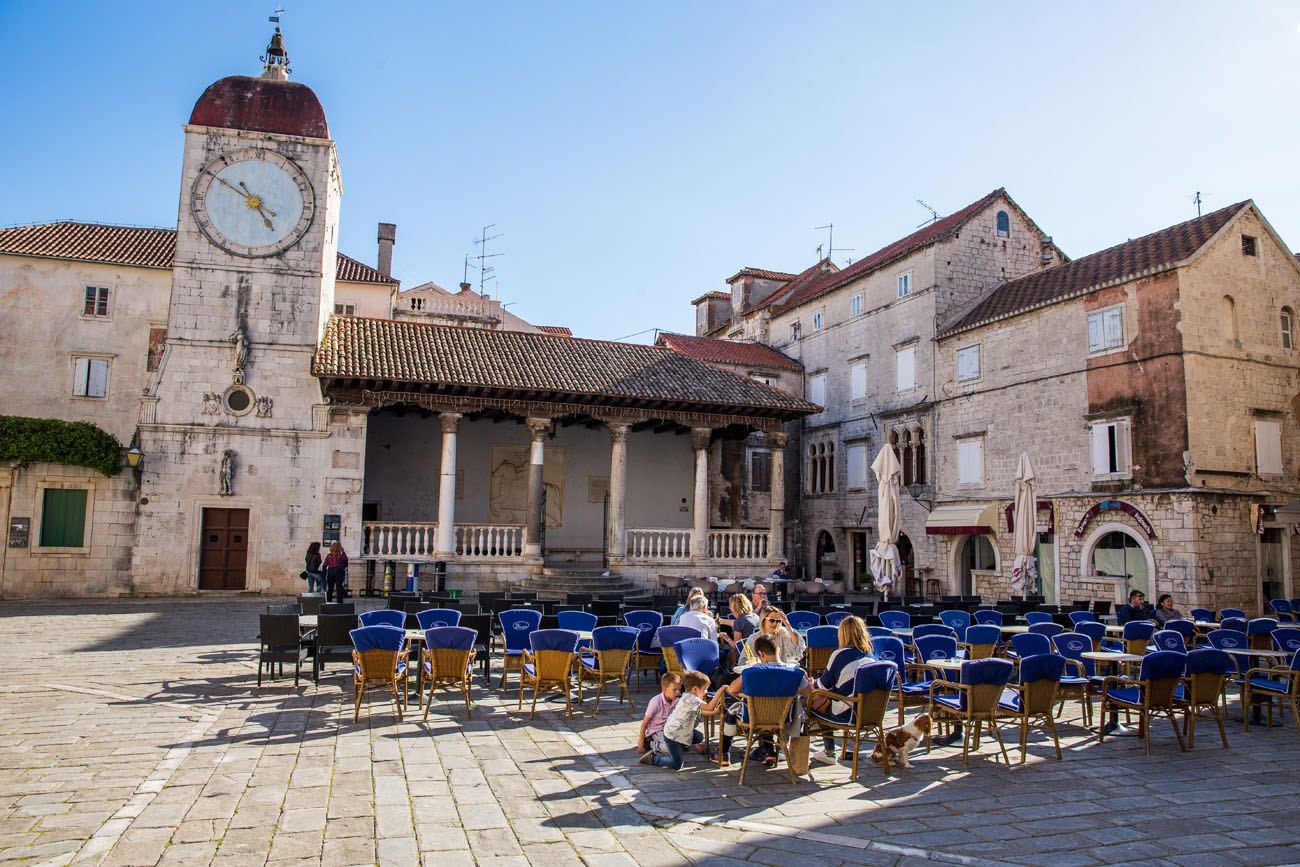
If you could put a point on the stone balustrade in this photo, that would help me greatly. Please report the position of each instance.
(489, 541)
(739, 544)
(659, 543)
(398, 540)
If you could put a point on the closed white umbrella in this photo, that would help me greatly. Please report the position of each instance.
(885, 567)
(1024, 572)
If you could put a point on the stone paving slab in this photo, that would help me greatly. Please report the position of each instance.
(139, 737)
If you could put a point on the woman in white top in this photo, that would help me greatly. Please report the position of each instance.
(773, 623)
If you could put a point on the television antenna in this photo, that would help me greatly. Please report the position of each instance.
(485, 269)
(830, 247)
(934, 215)
(1196, 199)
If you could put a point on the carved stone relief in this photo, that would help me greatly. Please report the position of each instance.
(508, 485)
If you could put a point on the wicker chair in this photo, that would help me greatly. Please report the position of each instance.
(1279, 682)
(669, 636)
(517, 624)
(1033, 698)
(1203, 689)
(607, 661)
(822, 642)
(1081, 681)
(379, 658)
(647, 658)
(873, 684)
(767, 695)
(547, 666)
(982, 641)
(432, 618)
(973, 700)
(384, 617)
(447, 660)
(1151, 694)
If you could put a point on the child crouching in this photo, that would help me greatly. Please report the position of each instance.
(679, 732)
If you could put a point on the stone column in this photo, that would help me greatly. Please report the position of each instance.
(700, 438)
(777, 442)
(538, 428)
(617, 529)
(446, 542)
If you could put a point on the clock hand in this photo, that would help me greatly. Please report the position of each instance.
(255, 201)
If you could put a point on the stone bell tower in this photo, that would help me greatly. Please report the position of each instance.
(240, 465)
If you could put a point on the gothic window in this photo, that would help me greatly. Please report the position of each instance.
(830, 466)
(918, 455)
(1004, 225)
(907, 459)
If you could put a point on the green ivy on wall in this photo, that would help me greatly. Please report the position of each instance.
(50, 440)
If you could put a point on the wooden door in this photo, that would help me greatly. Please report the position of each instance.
(223, 551)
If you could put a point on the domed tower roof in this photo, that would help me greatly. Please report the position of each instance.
(269, 103)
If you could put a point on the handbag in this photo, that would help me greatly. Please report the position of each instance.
(797, 754)
(820, 703)
(304, 574)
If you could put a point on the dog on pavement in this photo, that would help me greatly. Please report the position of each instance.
(901, 741)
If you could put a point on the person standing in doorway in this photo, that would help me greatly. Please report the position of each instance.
(315, 580)
(336, 572)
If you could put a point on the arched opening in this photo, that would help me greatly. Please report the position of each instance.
(825, 554)
(918, 453)
(1004, 225)
(1118, 553)
(909, 456)
(830, 467)
(1229, 317)
(976, 555)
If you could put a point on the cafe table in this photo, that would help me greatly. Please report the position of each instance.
(1015, 629)
(1114, 659)
(903, 632)
(1114, 629)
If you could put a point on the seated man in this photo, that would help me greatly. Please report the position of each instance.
(1136, 609)
(698, 617)
(765, 648)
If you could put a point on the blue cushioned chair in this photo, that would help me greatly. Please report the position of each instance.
(1282, 608)
(1279, 682)
(702, 655)
(1168, 639)
(1185, 628)
(1202, 689)
(958, 621)
(833, 618)
(933, 629)
(607, 661)
(1080, 676)
(578, 621)
(647, 658)
(822, 642)
(1029, 644)
(1295, 606)
(670, 635)
(973, 701)
(875, 632)
(1225, 613)
(1094, 630)
(914, 682)
(804, 619)
(1287, 639)
(447, 659)
(873, 684)
(547, 665)
(1260, 633)
(432, 618)
(988, 617)
(1229, 639)
(1236, 624)
(982, 640)
(517, 624)
(895, 619)
(1047, 628)
(1150, 695)
(1032, 699)
(1137, 634)
(1077, 617)
(1036, 617)
(935, 647)
(1204, 615)
(379, 657)
(383, 617)
(767, 696)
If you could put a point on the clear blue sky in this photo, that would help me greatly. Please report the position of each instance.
(635, 155)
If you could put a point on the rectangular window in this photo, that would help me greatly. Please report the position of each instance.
(905, 284)
(345, 309)
(1248, 246)
(817, 321)
(858, 381)
(970, 461)
(1110, 449)
(90, 377)
(794, 331)
(1268, 448)
(906, 363)
(968, 363)
(96, 302)
(766, 380)
(817, 389)
(857, 466)
(1105, 329)
(1288, 330)
(760, 471)
(855, 305)
(63, 518)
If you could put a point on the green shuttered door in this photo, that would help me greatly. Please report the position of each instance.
(63, 519)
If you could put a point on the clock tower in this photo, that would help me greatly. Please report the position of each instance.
(242, 453)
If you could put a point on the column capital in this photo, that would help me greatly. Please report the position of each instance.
(538, 427)
(778, 439)
(618, 431)
(449, 420)
(701, 437)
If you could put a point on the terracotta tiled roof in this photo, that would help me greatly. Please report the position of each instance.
(137, 246)
(720, 296)
(570, 369)
(557, 330)
(1149, 254)
(762, 274)
(804, 290)
(727, 351)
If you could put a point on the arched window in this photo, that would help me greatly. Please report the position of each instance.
(918, 452)
(908, 458)
(812, 468)
(1288, 328)
(1118, 554)
(1004, 225)
(830, 466)
(1229, 312)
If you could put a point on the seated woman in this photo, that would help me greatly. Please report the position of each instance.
(855, 648)
(743, 620)
(1165, 610)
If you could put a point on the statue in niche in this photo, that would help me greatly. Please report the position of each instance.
(227, 474)
(239, 353)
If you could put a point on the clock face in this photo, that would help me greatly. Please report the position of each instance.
(253, 202)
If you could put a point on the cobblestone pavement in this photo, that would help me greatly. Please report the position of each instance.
(133, 733)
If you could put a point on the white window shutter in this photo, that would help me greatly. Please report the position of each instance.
(80, 375)
(1114, 321)
(1268, 447)
(817, 389)
(970, 461)
(1123, 446)
(968, 363)
(858, 381)
(857, 466)
(1101, 449)
(1094, 332)
(906, 368)
(98, 386)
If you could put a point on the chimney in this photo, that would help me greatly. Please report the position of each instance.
(387, 237)
(465, 287)
(1049, 255)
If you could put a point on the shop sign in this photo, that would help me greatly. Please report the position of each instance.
(1115, 506)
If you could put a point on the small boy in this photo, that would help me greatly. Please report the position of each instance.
(679, 733)
(657, 711)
